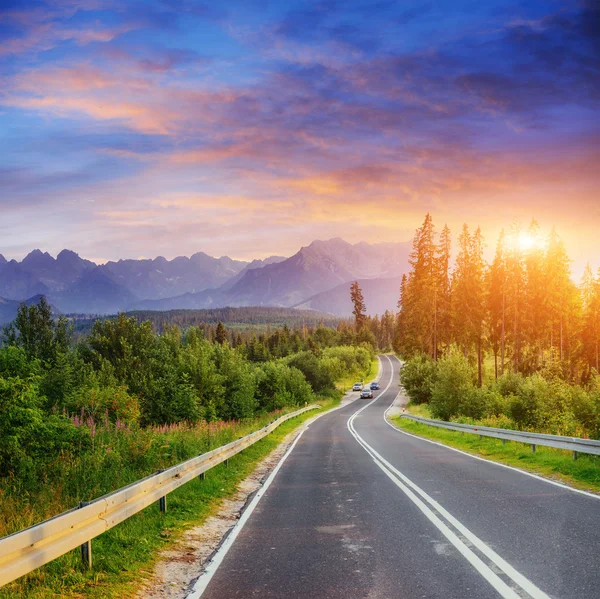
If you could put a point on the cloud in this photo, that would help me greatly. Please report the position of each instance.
(352, 115)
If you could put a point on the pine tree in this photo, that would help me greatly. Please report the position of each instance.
(469, 295)
(558, 281)
(443, 307)
(360, 309)
(590, 293)
(401, 318)
(496, 303)
(514, 292)
(534, 313)
(221, 333)
(419, 302)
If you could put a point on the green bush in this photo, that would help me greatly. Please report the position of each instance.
(482, 402)
(417, 377)
(452, 386)
(279, 386)
(509, 383)
(315, 372)
(526, 408)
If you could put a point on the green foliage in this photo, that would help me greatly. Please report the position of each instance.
(79, 420)
(541, 402)
(314, 370)
(27, 434)
(417, 376)
(452, 386)
(38, 333)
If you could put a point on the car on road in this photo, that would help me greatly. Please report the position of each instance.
(357, 387)
(374, 386)
(366, 393)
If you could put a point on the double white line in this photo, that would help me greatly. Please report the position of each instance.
(449, 526)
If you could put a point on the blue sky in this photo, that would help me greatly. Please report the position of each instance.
(250, 128)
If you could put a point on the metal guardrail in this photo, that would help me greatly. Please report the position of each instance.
(574, 444)
(26, 550)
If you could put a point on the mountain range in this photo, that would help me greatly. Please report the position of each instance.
(316, 277)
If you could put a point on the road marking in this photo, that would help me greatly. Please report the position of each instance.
(407, 486)
(476, 457)
(213, 564)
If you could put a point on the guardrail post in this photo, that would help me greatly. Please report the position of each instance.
(533, 448)
(86, 548)
(226, 462)
(574, 455)
(162, 501)
(503, 441)
(201, 476)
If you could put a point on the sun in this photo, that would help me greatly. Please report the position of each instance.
(526, 242)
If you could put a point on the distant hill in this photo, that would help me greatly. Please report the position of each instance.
(9, 308)
(317, 268)
(76, 285)
(380, 295)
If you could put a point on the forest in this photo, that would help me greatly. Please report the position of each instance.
(79, 418)
(256, 319)
(515, 342)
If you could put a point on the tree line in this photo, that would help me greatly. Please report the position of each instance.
(55, 390)
(523, 310)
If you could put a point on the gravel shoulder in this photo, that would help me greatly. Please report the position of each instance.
(178, 567)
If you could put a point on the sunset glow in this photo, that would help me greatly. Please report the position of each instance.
(249, 130)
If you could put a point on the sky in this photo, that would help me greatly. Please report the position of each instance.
(166, 127)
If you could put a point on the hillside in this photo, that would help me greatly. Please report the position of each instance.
(380, 295)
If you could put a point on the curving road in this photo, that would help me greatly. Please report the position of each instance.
(359, 509)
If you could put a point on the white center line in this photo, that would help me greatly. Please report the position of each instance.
(411, 490)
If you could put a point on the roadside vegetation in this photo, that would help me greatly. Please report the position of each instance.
(81, 419)
(556, 464)
(124, 556)
(514, 344)
(541, 402)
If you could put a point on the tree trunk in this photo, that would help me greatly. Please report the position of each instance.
(435, 325)
(503, 331)
(479, 363)
(496, 361)
(561, 339)
(515, 342)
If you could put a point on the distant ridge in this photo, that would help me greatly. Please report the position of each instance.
(76, 285)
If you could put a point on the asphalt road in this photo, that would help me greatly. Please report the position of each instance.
(359, 509)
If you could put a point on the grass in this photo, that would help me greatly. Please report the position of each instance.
(124, 556)
(556, 464)
(345, 384)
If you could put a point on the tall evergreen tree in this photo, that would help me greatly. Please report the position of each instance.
(534, 313)
(515, 276)
(221, 333)
(359, 308)
(443, 307)
(418, 302)
(496, 303)
(590, 293)
(468, 297)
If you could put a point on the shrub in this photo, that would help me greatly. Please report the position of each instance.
(526, 407)
(480, 402)
(314, 371)
(509, 383)
(417, 377)
(279, 385)
(453, 383)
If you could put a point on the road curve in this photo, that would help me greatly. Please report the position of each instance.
(359, 509)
